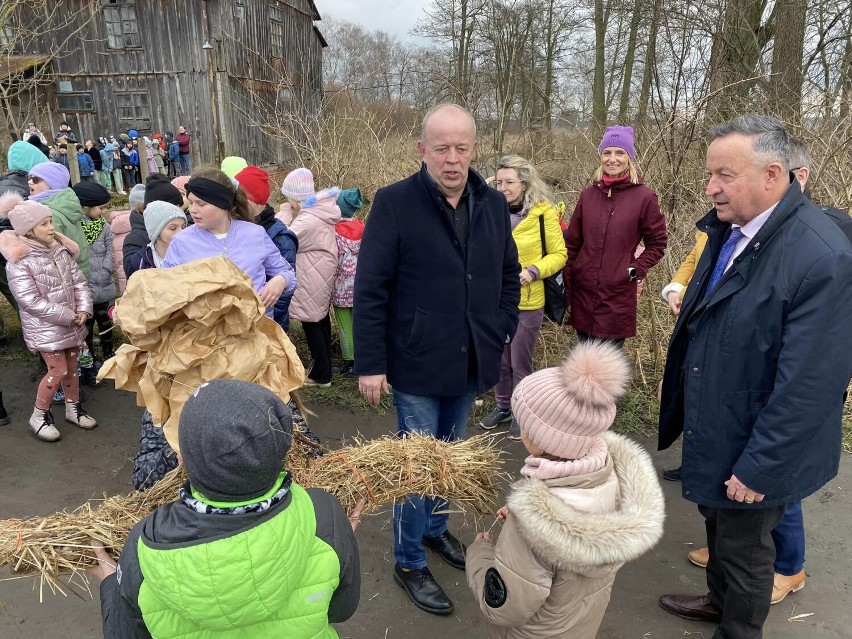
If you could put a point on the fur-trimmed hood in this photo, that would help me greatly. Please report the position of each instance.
(584, 542)
(15, 248)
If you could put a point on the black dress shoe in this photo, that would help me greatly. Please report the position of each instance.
(672, 475)
(423, 590)
(450, 548)
(692, 607)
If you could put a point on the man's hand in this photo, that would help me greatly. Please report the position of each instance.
(483, 536)
(272, 290)
(674, 302)
(372, 386)
(738, 491)
(105, 567)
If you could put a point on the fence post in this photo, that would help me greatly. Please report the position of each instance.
(73, 165)
(143, 161)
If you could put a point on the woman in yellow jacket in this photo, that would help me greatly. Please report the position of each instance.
(675, 290)
(529, 201)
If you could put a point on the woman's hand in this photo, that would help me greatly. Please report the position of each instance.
(674, 302)
(272, 290)
(526, 277)
(105, 567)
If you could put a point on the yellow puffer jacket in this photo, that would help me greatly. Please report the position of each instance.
(527, 237)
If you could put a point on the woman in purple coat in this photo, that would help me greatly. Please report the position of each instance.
(223, 226)
(612, 216)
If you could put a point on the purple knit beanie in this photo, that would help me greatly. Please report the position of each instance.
(620, 137)
(564, 410)
(298, 185)
(56, 175)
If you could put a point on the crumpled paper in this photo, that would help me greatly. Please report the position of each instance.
(190, 324)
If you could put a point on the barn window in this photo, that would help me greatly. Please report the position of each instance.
(134, 109)
(276, 32)
(122, 28)
(74, 102)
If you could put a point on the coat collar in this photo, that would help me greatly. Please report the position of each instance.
(578, 541)
(15, 248)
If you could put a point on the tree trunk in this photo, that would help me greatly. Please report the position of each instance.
(598, 84)
(787, 76)
(629, 57)
(650, 63)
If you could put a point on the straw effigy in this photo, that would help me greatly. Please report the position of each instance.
(466, 472)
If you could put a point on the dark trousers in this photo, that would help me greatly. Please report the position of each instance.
(318, 336)
(585, 337)
(104, 323)
(740, 572)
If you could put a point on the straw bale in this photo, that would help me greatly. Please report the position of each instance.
(466, 472)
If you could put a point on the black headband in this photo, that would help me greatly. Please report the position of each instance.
(211, 192)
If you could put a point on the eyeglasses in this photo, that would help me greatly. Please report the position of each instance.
(35, 179)
(509, 183)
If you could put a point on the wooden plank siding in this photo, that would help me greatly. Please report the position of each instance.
(171, 67)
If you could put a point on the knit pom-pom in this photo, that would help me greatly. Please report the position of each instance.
(8, 201)
(596, 372)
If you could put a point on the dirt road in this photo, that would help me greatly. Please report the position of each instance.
(39, 478)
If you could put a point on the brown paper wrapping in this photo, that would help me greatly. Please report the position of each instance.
(193, 323)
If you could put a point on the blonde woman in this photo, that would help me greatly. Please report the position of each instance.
(541, 253)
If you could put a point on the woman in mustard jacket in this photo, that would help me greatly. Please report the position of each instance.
(675, 290)
(529, 201)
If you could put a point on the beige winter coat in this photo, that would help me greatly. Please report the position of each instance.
(50, 289)
(316, 258)
(551, 571)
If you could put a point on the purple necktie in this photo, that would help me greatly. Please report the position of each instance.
(723, 259)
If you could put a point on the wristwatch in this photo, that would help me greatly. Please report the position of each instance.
(631, 273)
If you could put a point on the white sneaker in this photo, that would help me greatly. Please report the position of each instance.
(74, 414)
(42, 424)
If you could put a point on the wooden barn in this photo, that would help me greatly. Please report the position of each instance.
(230, 71)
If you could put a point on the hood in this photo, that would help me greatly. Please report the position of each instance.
(66, 203)
(23, 156)
(350, 229)
(15, 248)
(119, 222)
(323, 204)
(583, 542)
(109, 147)
(266, 556)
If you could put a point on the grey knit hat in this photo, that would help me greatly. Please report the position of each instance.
(233, 439)
(157, 215)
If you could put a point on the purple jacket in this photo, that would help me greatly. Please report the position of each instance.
(247, 245)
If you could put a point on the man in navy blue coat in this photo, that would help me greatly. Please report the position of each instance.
(757, 367)
(436, 299)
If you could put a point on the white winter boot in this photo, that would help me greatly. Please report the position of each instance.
(42, 424)
(74, 414)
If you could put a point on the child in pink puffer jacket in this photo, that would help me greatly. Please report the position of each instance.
(55, 301)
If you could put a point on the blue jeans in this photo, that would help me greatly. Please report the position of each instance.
(185, 165)
(417, 517)
(789, 538)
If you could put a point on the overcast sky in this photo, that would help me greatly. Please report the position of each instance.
(394, 16)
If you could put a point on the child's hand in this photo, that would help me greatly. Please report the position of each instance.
(483, 536)
(105, 567)
(355, 515)
(80, 319)
(502, 514)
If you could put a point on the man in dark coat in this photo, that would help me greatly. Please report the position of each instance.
(436, 299)
(757, 367)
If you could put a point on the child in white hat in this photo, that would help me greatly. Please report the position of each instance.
(589, 502)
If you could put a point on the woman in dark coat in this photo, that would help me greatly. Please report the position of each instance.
(612, 217)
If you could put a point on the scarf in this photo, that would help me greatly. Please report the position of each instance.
(40, 197)
(257, 507)
(93, 229)
(542, 468)
(155, 257)
(610, 181)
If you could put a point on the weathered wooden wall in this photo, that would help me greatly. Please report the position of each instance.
(172, 67)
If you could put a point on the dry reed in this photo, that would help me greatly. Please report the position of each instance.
(466, 472)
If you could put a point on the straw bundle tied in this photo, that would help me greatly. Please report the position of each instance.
(466, 472)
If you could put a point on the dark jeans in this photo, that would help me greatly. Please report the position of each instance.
(318, 336)
(185, 164)
(418, 516)
(104, 323)
(740, 572)
(585, 337)
(789, 538)
(129, 179)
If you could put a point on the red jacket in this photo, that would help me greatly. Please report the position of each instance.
(183, 142)
(607, 226)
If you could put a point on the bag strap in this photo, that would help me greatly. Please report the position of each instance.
(541, 230)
